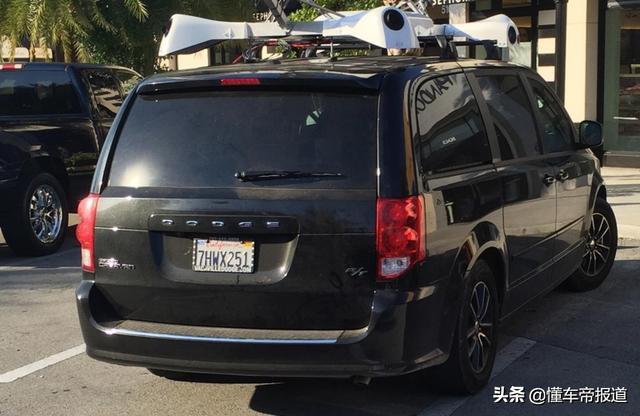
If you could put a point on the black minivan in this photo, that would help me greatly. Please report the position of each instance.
(347, 217)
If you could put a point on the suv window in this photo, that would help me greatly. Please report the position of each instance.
(202, 139)
(128, 80)
(511, 114)
(450, 128)
(27, 93)
(105, 92)
(556, 128)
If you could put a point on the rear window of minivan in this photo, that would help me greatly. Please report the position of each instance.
(203, 139)
(30, 93)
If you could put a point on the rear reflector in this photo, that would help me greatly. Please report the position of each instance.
(85, 230)
(10, 67)
(400, 235)
(228, 82)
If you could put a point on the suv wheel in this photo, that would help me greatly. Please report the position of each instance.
(600, 248)
(475, 341)
(38, 222)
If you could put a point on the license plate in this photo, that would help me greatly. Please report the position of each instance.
(226, 256)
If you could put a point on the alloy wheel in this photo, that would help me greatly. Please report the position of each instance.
(480, 328)
(45, 213)
(598, 245)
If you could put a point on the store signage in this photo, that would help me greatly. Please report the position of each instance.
(449, 2)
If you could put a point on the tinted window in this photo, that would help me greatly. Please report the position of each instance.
(512, 116)
(128, 80)
(24, 93)
(203, 139)
(450, 129)
(105, 92)
(556, 128)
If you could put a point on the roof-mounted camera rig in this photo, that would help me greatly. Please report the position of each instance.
(406, 26)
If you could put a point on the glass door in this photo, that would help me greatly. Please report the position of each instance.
(622, 80)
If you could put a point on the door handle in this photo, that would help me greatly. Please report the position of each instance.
(548, 179)
(563, 175)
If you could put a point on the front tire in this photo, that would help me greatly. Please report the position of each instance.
(37, 222)
(474, 346)
(600, 249)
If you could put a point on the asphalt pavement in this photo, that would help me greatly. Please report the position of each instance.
(563, 344)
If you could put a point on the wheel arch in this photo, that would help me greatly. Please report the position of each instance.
(598, 190)
(602, 192)
(49, 164)
(486, 242)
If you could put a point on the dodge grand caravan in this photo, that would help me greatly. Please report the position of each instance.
(358, 217)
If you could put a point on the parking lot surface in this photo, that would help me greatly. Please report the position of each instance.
(563, 339)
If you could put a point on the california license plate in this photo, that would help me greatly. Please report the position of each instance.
(226, 256)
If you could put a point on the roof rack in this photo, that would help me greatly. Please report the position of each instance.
(383, 27)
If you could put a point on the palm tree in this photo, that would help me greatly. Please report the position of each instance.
(63, 25)
(135, 44)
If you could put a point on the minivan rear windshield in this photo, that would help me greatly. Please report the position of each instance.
(207, 139)
(30, 93)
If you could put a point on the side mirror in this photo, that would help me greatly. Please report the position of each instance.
(590, 133)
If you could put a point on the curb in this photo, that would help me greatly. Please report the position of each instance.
(631, 232)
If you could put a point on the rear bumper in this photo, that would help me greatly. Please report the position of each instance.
(406, 333)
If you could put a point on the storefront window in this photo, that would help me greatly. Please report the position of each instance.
(622, 80)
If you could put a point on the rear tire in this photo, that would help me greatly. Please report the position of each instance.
(474, 346)
(601, 245)
(37, 221)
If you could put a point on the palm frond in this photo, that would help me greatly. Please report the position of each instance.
(137, 8)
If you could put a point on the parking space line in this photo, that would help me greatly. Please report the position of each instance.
(504, 358)
(13, 375)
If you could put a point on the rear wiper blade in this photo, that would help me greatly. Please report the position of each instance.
(246, 176)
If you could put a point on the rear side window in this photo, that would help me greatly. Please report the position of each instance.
(128, 80)
(203, 139)
(30, 93)
(450, 129)
(105, 92)
(556, 127)
(511, 114)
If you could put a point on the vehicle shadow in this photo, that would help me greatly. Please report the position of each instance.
(61, 258)
(405, 395)
(402, 395)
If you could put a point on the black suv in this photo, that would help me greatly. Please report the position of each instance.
(351, 217)
(53, 121)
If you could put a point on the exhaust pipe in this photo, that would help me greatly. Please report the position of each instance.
(361, 380)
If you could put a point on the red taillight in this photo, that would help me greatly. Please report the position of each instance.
(85, 230)
(230, 82)
(400, 235)
(10, 67)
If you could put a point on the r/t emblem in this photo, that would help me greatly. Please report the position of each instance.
(356, 271)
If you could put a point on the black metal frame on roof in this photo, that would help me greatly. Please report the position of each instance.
(308, 48)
